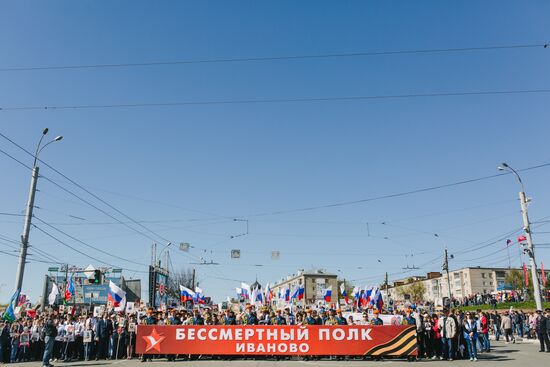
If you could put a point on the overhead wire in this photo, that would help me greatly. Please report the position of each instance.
(275, 100)
(87, 244)
(400, 194)
(84, 253)
(89, 193)
(275, 58)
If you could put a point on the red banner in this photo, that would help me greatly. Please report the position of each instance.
(277, 340)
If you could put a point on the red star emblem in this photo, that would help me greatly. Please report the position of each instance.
(153, 341)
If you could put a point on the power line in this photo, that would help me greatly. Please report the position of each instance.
(87, 244)
(74, 194)
(15, 159)
(275, 100)
(31, 259)
(83, 253)
(89, 193)
(274, 58)
(405, 193)
(81, 187)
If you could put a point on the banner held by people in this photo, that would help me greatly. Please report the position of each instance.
(277, 340)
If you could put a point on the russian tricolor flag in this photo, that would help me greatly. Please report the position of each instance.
(301, 292)
(344, 293)
(186, 294)
(328, 294)
(199, 295)
(115, 295)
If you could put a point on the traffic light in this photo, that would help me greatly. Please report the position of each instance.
(97, 277)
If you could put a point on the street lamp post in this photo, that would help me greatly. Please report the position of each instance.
(527, 228)
(28, 213)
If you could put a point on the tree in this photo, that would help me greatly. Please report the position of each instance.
(515, 279)
(180, 277)
(415, 290)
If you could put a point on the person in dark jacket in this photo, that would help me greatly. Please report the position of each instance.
(197, 317)
(103, 332)
(4, 341)
(50, 332)
(542, 331)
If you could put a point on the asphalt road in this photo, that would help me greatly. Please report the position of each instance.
(521, 354)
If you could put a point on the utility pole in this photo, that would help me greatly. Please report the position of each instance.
(527, 228)
(45, 293)
(193, 280)
(530, 250)
(28, 214)
(446, 268)
(26, 231)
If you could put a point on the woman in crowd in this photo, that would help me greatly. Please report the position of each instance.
(469, 330)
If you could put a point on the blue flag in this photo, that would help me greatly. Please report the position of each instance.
(9, 315)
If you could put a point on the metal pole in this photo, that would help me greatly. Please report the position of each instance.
(387, 290)
(26, 231)
(45, 293)
(448, 276)
(530, 250)
(193, 281)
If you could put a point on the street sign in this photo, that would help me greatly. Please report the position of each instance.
(89, 271)
(95, 294)
(53, 269)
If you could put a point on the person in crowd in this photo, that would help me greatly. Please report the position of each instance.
(280, 319)
(103, 332)
(4, 341)
(542, 332)
(131, 335)
(470, 333)
(265, 318)
(249, 318)
(229, 318)
(375, 320)
(448, 328)
(340, 320)
(50, 333)
(495, 322)
(506, 326)
(436, 337)
(483, 333)
(197, 317)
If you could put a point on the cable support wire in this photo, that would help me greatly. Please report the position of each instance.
(276, 100)
(275, 58)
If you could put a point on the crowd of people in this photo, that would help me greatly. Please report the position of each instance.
(442, 335)
(458, 335)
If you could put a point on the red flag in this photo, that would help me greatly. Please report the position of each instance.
(525, 275)
(543, 275)
(31, 313)
(522, 238)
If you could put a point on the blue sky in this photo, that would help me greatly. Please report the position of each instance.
(192, 169)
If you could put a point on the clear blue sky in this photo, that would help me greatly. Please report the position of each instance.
(230, 161)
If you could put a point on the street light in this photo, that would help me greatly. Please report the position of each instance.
(160, 254)
(28, 212)
(527, 228)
